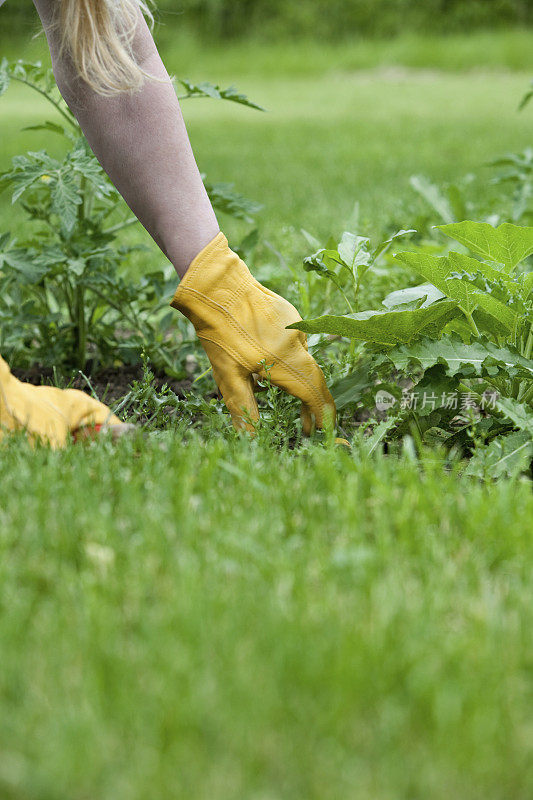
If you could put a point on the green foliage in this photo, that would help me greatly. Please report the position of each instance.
(363, 18)
(205, 89)
(517, 173)
(506, 456)
(382, 327)
(65, 299)
(508, 244)
(347, 263)
(468, 330)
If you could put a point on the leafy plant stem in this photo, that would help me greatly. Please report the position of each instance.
(121, 225)
(418, 428)
(356, 290)
(51, 100)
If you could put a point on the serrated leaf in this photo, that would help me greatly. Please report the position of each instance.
(65, 199)
(27, 169)
(76, 266)
(206, 89)
(52, 127)
(378, 434)
(26, 263)
(425, 291)
(438, 269)
(501, 314)
(454, 354)
(505, 456)
(508, 244)
(519, 414)
(440, 272)
(21, 181)
(353, 251)
(84, 163)
(381, 327)
(225, 199)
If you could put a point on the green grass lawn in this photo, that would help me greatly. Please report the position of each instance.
(194, 615)
(331, 137)
(219, 620)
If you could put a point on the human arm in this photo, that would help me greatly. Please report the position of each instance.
(141, 141)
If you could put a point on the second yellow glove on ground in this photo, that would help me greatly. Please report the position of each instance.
(46, 413)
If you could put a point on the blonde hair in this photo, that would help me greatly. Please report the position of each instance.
(98, 36)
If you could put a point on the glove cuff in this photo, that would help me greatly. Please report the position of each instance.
(217, 273)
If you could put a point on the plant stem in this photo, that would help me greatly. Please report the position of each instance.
(527, 396)
(55, 103)
(121, 225)
(472, 324)
(529, 343)
(347, 302)
(351, 354)
(81, 328)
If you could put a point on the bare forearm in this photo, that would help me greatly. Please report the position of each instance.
(142, 143)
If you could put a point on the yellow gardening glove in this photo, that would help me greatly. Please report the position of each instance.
(242, 327)
(46, 413)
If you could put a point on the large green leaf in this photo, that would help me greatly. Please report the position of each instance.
(508, 244)
(82, 161)
(379, 434)
(25, 263)
(500, 314)
(65, 199)
(505, 456)
(440, 271)
(353, 250)
(454, 354)
(382, 327)
(351, 387)
(425, 292)
(519, 414)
